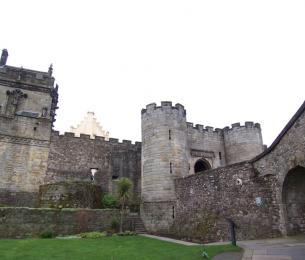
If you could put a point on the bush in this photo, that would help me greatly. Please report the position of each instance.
(127, 233)
(47, 234)
(109, 202)
(93, 235)
(3, 205)
(115, 225)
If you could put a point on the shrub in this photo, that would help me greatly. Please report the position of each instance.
(47, 234)
(93, 235)
(127, 233)
(109, 202)
(115, 225)
(2, 205)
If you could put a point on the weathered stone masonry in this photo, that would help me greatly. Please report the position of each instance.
(205, 201)
(264, 196)
(190, 180)
(71, 158)
(27, 110)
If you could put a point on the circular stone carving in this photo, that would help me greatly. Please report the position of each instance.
(70, 195)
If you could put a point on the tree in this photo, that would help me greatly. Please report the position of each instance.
(124, 186)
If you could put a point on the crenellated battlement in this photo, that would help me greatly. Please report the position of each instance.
(247, 125)
(26, 76)
(97, 139)
(203, 129)
(165, 105)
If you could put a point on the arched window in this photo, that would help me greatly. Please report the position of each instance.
(201, 165)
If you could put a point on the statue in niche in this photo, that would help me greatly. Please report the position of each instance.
(44, 112)
(13, 100)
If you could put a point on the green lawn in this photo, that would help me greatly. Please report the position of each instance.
(132, 247)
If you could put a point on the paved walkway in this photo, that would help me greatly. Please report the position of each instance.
(171, 240)
(290, 248)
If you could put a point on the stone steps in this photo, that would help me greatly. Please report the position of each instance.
(137, 224)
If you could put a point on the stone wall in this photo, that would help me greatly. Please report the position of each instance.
(70, 195)
(285, 154)
(206, 200)
(158, 217)
(71, 159)
(28, 222)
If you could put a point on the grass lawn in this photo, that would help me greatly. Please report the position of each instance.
(131, 247)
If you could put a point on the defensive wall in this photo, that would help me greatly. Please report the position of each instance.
(31, 222)
(171, 149)
(71, 159)
(264, 196)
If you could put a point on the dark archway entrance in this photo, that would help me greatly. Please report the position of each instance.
(294, 200)
(201, 165)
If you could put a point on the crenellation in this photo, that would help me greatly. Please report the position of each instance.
(189, 125)
(84, 136)
(69, 134)
(100, 138)
(199, 127)
(55, 133)
(27, 76)
(113, 140)
(209, 128)
(249, 124)
(257, 125)
(126, 142)
(166, 104)
(235, 125)
(97, 139)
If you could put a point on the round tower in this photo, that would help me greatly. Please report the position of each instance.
(242, 142)
(164, 158)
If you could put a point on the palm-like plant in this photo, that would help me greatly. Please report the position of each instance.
(124, 186)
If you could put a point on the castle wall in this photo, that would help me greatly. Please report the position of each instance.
(29, 222)
(205, 201)
(286, 154)
(71, 159)
(205, 143)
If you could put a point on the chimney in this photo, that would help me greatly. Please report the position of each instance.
(4, 56)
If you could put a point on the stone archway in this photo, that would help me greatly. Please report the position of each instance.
(201, 165)
(293, 195)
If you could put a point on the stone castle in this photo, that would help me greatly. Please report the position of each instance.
(188, 181)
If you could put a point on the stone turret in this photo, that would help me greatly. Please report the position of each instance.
(164, 158)
(242, 142)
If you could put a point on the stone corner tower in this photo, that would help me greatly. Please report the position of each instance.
(164, 158)
(28, 101)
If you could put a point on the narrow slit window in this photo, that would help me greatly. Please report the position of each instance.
(170, 167)
(173, 212)
(169, 134)
(220, 156)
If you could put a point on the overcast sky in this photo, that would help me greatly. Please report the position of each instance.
(225, 61)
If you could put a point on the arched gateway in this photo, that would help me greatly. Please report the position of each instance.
(201, 165)
(294, 200)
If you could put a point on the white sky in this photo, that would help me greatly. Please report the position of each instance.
(225, 61)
